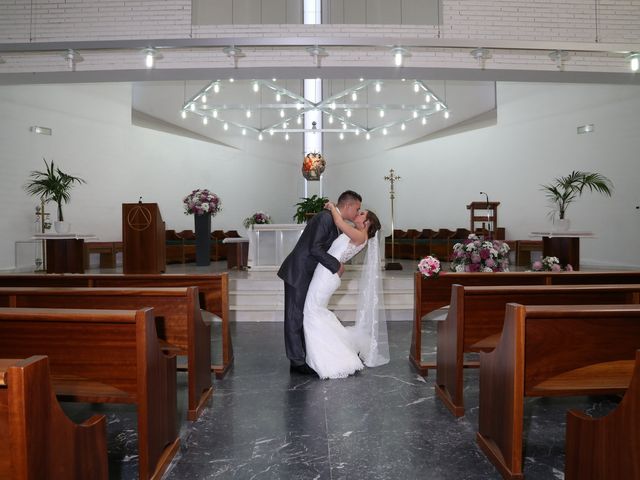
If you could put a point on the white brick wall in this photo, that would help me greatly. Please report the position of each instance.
(618, 21)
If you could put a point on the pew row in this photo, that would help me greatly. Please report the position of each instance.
(434, 293)
(178, 322)
(213, 288)
(476, 315)
(607, 447)
(104, 356)
(561, 350)
(38, 440)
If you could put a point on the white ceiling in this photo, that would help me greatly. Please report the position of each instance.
(159, 104)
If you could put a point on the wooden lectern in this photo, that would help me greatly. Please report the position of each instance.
(143, 243)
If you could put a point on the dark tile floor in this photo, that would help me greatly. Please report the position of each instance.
(383, 423)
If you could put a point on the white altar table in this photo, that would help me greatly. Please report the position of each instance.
(270, 244)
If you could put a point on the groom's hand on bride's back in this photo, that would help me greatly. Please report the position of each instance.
(341, 270)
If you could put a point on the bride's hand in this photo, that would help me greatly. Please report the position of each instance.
(329, 206)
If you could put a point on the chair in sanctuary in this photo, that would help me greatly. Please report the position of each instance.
(189, 239)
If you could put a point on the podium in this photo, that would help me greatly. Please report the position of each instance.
(143, 238)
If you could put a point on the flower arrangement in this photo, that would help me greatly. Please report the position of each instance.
(259, 218)
(550, 264)
(201, 202)
(429, 267)
(475, 255)
(313, 165)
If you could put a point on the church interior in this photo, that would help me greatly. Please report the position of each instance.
(141, 340)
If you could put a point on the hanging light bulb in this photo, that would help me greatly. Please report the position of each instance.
(205, 120)
(244, 131)
(271, 132)
(330, 118)
(446, 114)
(368, 136)
(399, 54)
(357, 133)
(216, 87)
(298, 106)
(381, 113)
(424, 120)
(183, 114)
(361, 79)
(427, 98)
(286, 137)
(278, 97)
(285, 125)
(438, 106)
(256, 87)
(415, 114)
(333, 105)
(260, 137)
(348, 113)
(403, 127)
(231, 80)
(149, 55)
(248, 113)
(225, 126)
(192, 107)
(282, 113)
(634, 61)
(204, 98)
(378, 87)
(384, 131)
(299, 120)
(344, 126)
(416, 87)
(354, 96)
(341, 136)
(215, 114)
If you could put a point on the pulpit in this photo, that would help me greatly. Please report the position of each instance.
(143, 243)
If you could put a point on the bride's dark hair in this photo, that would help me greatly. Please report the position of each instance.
(374, 224)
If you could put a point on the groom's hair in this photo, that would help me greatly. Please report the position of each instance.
(349, 196)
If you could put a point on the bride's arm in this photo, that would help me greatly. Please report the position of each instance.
(357, 236)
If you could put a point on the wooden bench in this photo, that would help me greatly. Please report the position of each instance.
(104, 356)
(178, 322)
(607, 447)
(213, 289)
(37, 438)
(551, 351)
(434, 293)
(476, 315)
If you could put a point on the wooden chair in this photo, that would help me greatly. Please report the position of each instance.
(397, 236)
(213, 292)
(423, 243)
(407, 245)
(607, 447)
(434, 293)
(220, 249)
(104, 356)
(440, 244)
(475, 318)
(174, 247)
(561, 350)
(189, 240)
(38, 439)
(178, 322)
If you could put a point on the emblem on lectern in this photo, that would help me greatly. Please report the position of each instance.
(139, 218)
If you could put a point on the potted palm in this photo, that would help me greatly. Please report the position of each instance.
(308, 207)
(53, 184)
(563, 191)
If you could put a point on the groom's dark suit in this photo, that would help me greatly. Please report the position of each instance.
(297, 271)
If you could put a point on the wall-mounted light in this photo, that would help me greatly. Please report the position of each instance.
(399, 54)
(234, 53)
(72, 57)
(559, 56)
(481, 55)
(634, 61)
(586, 128)
(41, 130)
(216, 87)
(150, 56)
(317, 53)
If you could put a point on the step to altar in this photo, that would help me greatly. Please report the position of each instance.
(259, 296)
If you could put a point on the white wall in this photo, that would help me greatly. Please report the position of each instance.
(93, 138)
(533, 141)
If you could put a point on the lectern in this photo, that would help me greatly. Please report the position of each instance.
(143, 244)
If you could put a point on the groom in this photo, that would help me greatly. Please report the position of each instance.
(297, 271)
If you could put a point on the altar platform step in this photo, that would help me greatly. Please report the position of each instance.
(259, 297)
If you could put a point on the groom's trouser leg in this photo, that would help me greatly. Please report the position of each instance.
(293, 321)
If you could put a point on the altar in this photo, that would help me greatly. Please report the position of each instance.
(65, 251)
(269, 244)
(563, 245)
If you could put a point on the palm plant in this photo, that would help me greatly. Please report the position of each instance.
(309, 206)
(52, 184)
(565, 190)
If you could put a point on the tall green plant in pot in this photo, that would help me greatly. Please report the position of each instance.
(53, 184)
(309, 207)
(563, 191)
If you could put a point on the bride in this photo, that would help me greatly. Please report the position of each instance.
(334, 351)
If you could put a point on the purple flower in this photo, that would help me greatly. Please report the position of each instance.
(475, 258)
(490, 263)
(537, 266)
(556, 268)
(568, 268)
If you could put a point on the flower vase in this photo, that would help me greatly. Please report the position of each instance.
(203, 239)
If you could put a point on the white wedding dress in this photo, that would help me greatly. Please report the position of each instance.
(334, 351)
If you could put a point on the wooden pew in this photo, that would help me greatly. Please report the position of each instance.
(38, 440)
(104, 356)
(561, 350)
(607, 447)
(476, 316)
(434, 293)
(178, 322)
(213, 288)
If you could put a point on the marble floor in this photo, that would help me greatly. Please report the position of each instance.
(383, 423)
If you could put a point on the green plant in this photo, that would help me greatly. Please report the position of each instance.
(52, 184)
(565, 190)
(310, 205)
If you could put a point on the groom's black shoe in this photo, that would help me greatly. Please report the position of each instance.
(303, 369)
